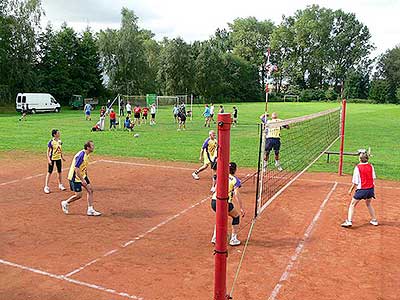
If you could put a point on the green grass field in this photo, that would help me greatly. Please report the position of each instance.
(368, 125)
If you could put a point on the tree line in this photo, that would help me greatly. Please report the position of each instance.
(319, 52)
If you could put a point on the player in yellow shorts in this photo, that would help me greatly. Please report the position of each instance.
(208, 154)
(234, 213)
(77, 177)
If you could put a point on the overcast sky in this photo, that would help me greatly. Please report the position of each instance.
(197, 20)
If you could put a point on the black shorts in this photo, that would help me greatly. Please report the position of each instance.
(58, 164)
(213, 164)
(183, 119)
(144, 117)
(363, 194)
(129, 112)
(214, 205)
(137, 116)
(77, 186)
(273, 143)
(153, 116)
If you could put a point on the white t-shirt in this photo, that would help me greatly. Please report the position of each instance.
(212, 109)
(152, 109)
(128, 107)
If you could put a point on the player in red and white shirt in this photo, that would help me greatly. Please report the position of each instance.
(363, 179)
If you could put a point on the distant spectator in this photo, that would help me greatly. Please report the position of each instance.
(221, 109)
(113, 119)
(144, 114)
(153, 111)
(121, 108)
(128, 124)
(128, 109)
(136, 111)
(88, 110)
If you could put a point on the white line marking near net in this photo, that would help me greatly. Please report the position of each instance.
(135, 239)
(78, 282)
(300, 246)
(35, 176)
(144, 165)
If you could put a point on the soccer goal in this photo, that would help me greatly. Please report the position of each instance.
(135, 100)
(167, 100)
(291, 98)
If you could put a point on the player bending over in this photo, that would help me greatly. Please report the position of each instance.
(363, 179)
(208, 154)
(233, 194)
(78, 177)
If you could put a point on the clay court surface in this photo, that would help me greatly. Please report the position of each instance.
(153, 240)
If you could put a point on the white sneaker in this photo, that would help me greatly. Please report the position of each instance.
(374, 222)
(92, 212)
(61, 187)
(279, 168)
(212, 190)
(64, 207)
(195, 176)
(234, 241)
(347, 224)
(46, 190)
(213, 239)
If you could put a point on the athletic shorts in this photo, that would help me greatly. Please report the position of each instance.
(153, 116)
(213, 164)
(129, 112)
(214, 205)
(87, 112)
(51, 166)
(363, 194)
(137, 116)
(273, 143)
(77, 186)
(183, 119)
(144, 117)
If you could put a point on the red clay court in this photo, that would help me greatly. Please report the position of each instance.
(153, 240)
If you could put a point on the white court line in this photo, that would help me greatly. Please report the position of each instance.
(141, 236)
(145, 165)
(300, 246)
(78, 282)
(37, 175)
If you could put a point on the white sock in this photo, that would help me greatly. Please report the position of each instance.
(90, 208)
(277, 163)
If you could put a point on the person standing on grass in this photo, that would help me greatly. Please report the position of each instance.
(221, 109)
(153, 111)
(363, 179)
(212, 110)
(113, 119)
(208, 154)
(207, 116)
(235, 116)
(175, 111)
(181, 119)
(144, 114)
(234, 213)
(77, 177)
(88, 110)
(108, 106)
(24, 111)
(54, 156)
(102, 111)
(121, 108)
(136, 111)
(128, 109)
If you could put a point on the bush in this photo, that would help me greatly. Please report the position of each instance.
(331, 95)
(381, 91)
(311, 95)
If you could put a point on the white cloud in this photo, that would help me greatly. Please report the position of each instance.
(198, 20)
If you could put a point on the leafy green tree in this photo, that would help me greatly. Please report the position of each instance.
(381, 91)
(389, 68)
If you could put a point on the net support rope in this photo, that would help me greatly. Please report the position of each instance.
(331, 141)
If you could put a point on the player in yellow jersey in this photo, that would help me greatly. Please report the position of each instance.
(233, 196)
(208, 154)
(54, 156)
(273, 139)
(77, 177)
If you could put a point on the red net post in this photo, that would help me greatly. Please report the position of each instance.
(224, 128)
(343, 121)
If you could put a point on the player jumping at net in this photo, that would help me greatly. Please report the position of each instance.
(78, 177)
(273, 139)
(208, 154)
(54, 156)
(363, 179)
(234, 213)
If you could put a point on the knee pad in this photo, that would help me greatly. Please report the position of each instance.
(236, 220)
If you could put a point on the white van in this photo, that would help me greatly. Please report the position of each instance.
(36, 102)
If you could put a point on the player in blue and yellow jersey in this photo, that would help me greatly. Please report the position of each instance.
(54, 156)
(208, 154)
(77, 177)
(233, 196)
(273, 139)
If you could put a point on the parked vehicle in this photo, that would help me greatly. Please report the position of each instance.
(37, 102)
(76, 102)
(92, 101)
